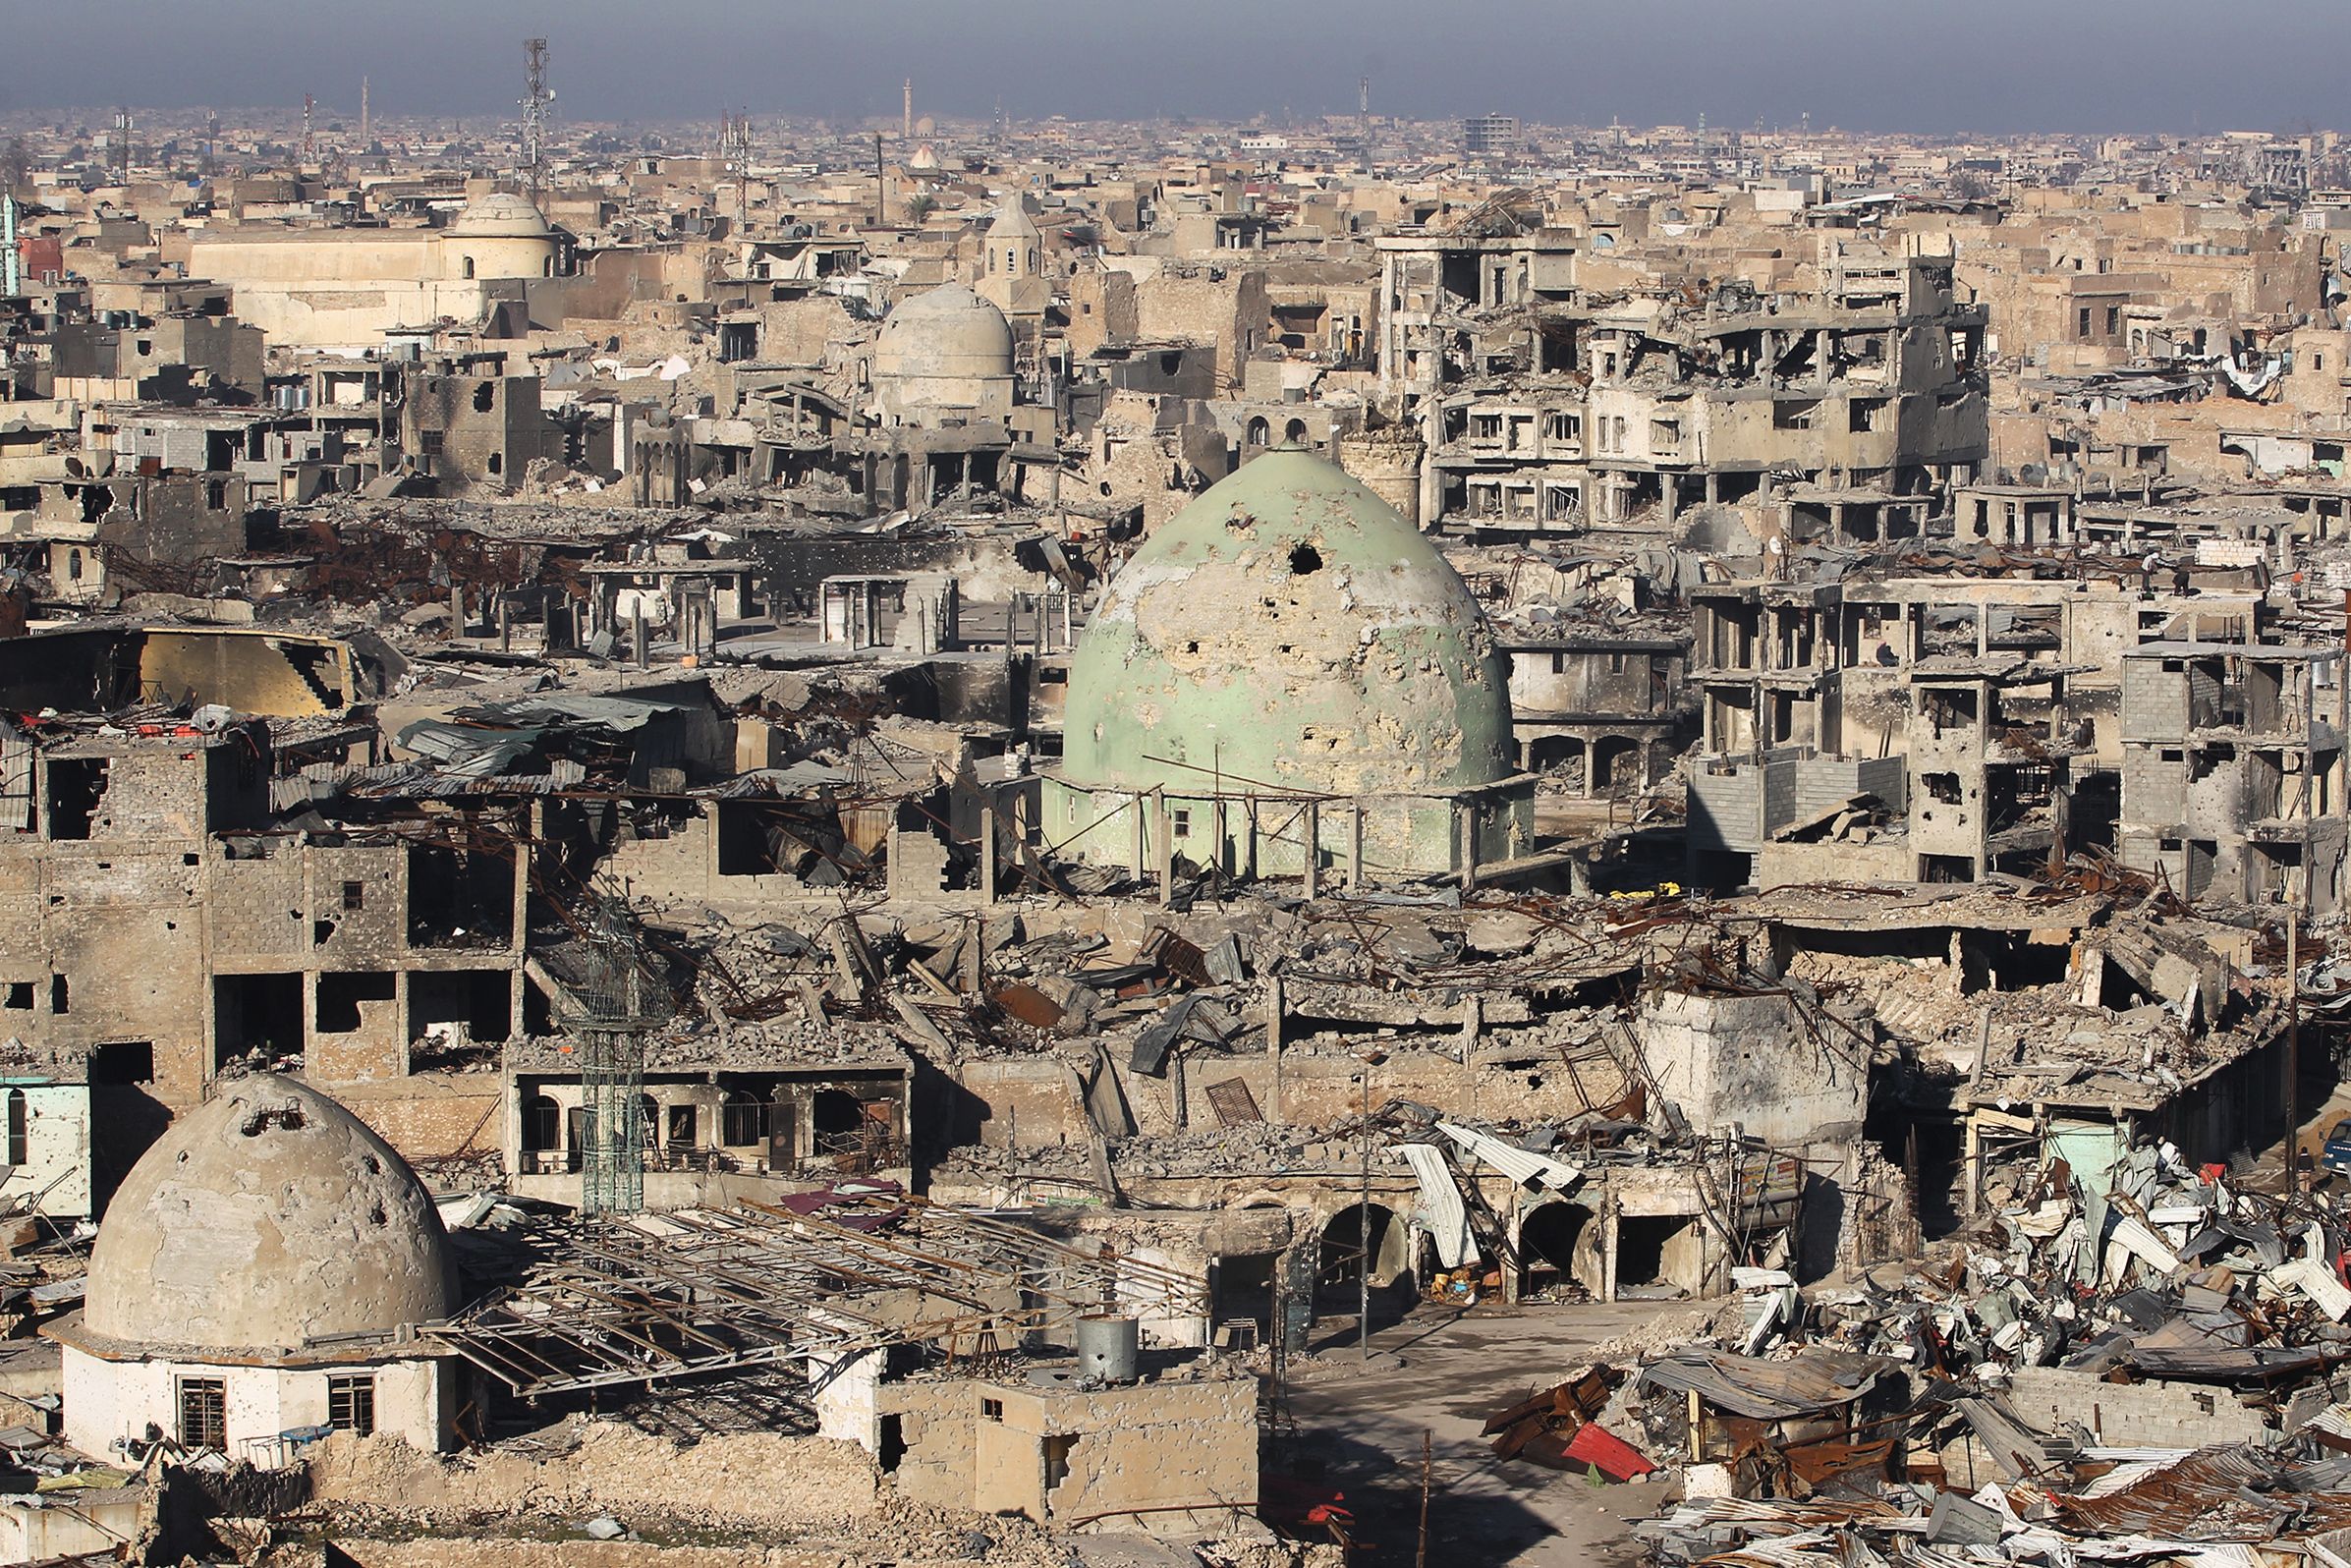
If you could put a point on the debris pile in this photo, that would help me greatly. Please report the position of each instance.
(2140, 1359)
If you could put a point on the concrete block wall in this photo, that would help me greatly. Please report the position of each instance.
(2151, 1415)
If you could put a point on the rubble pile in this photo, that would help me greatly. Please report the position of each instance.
(2142, 1363)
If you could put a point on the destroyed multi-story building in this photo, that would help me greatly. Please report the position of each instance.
(962, 800)
(1839, 400)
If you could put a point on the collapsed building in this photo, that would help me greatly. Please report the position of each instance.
(894, 834)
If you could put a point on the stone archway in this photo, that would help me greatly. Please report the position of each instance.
(1616, 763)
(1559, 1249)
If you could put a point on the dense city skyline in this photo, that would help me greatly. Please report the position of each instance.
(2000, 67)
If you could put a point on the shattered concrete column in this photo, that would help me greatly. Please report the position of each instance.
(987, 854)
(1609, 1220)
(1354, 845)
(1166, 846)
(1273, 1041)
(637, 619)
(1311, 830)
(1468, 812)
(457, 609)
(1472, 1023)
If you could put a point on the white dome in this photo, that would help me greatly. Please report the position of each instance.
(265, 1221)
(501, 215)
(947, 331)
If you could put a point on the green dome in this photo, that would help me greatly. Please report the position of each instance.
(1288, 632)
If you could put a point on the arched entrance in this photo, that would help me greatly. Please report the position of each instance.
(1546, 751)
(1615, 763)
(1340, 1261)
(1347, 1244)
(1559, 1252)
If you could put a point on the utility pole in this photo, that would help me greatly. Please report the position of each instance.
(2293, 1049)
(535, 99)
(1363, 1231)
(881, 198)
(1420, 1557)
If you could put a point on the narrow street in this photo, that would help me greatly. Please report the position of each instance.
(1360, 1434)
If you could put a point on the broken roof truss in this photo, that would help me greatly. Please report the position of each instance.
(672, 1295)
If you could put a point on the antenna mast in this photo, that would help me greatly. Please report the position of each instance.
(535, 99)
(737, 133)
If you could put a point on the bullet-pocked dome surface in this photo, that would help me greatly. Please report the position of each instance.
(947, 331)
(268, 1219)
(1288, 632)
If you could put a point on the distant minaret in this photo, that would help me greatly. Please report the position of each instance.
(309, 142)
(906, 123)
(367, 136)
(1363, 118)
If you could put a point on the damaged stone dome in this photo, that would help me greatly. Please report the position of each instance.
(266, 1220)
(946, 331)
(500, 215)
(1288, 631)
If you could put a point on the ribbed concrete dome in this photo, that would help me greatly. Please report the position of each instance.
(264, 1220)
(946, 332)
(501, 215)
(1288, 631)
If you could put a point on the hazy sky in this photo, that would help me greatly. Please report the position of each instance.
(1889, 65)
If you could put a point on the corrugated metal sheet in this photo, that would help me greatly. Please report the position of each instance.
(1768, 1390)
(1440, 1203)
(1521, 1165)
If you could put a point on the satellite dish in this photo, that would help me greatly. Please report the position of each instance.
(1775, 544)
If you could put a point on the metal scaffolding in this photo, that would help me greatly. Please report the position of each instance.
(612, 997)
(664, 1296)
